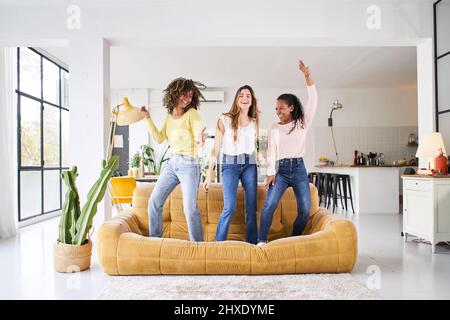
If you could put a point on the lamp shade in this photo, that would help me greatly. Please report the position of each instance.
(128, 114)
(429, 145)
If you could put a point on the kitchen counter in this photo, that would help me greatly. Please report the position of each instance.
(425, 176)
(353, 166)
(375, 191)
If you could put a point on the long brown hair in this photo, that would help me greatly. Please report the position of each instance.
(179, 87)
(253, 111)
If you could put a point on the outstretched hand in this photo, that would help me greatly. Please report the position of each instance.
(144, 112)
(303, 68)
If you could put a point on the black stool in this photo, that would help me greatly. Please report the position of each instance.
(333, 186)
(345, 179)
(336, 187)
(317, 178)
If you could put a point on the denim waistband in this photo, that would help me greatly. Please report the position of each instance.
(243, 158)
(177, 156)
(290, 161)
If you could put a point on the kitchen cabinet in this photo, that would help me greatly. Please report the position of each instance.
(426, 208)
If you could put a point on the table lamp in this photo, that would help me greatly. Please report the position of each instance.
(431, 146)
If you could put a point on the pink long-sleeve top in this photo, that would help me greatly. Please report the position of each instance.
(285, 145)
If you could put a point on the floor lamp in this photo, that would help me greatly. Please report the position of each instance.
(123, 114)
(336, 106)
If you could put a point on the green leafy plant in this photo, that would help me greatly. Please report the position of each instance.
(154, 165)
(262, 143)
(135, 160)
(75, 223)
(204, 166)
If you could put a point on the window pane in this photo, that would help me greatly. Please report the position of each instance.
(65, 138)
(64, 190)
(51, 136)
(442, 27)
(30, 130)
(51, 190)
(65, 89)
(50, 81)
(30, 72)
(443, 70)
(30, 194)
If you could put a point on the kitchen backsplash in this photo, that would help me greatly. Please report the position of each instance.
(392, 141)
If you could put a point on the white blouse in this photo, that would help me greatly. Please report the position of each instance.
(245, 142)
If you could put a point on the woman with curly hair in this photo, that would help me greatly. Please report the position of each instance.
(287, 141)
(236, 137)
(183, 129)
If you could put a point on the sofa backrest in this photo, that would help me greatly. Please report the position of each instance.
(211, 204)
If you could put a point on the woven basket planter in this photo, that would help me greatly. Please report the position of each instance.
(72, 258)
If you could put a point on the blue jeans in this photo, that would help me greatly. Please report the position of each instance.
(241, 167)
(290, 173)
(180, 169)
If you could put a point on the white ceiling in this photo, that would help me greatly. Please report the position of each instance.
(273, 67)
(264, 67)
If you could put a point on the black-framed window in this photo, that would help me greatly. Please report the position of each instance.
(42, 132)
(441, 11)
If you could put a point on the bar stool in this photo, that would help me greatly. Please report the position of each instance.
(321, 186)
(328, 182)
(333, 190)
(336, 187)
(345, 179)
(311, 177)
(317, 178)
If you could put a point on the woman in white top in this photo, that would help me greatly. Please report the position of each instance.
(236, 137)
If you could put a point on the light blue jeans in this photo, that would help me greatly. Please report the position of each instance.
(180, 169)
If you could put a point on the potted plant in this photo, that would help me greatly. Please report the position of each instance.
(153, 164)
(72, 250)
(134, 164)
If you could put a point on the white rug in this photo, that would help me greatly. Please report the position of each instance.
(272, 287)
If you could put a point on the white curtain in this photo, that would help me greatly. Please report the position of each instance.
(8, 156)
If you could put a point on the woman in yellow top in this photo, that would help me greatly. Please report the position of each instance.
(183, 130)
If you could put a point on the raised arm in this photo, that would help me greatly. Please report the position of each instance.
(220, 129)
(158, 135)
(311, 105)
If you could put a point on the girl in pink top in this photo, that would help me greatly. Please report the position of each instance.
(286, 149)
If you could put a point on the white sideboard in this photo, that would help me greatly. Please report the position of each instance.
(426, 208)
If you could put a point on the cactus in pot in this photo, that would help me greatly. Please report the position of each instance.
(75, 223)
(73, 248)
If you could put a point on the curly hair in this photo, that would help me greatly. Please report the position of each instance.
(179, 87)
(233, 113)
(297, 114)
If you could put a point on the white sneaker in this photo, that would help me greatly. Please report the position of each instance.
(261, 243)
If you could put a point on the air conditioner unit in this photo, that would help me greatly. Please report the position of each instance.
(214, 96)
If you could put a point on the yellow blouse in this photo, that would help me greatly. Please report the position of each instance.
(183, 134)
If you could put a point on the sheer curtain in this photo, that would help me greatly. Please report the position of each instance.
(8, 189)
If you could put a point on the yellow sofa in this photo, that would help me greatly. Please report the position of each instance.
(328, 243)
